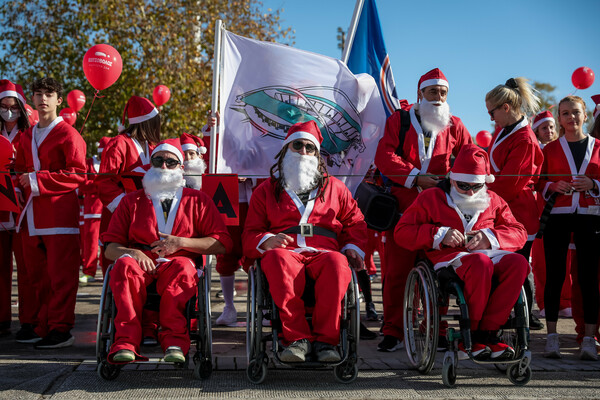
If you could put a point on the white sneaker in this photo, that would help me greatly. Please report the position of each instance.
(543, 313)
(565, 313)
(588, 349)
(228, 316)
(552, 346)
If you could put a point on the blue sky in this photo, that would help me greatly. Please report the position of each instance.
(477, 44)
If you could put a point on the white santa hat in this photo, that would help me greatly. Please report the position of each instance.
(9, 89)
(541, 118)
(192, 142)
(596, 99)
(172, 146)
(305, 130)
(433, 77)
(472, 165)
(138, 109)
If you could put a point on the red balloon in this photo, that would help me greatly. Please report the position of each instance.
(76, 100)
(483, 138)
(102, 65)
(583, 77)
(32, 114)
(161, 95)
(69, 115)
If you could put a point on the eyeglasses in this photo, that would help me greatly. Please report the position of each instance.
(298, 145)
(466, 187)
(158, 162)
(13, 108)
(491, 112)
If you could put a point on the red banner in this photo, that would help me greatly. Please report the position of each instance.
(8, 197)
(223, 189)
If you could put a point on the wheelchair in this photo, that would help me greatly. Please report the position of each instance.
(426, 292)
(260, 306)
(197, 308)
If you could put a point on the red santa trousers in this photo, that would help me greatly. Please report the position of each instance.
(228, 263)
(374, 243)
(176, 283)
(538, 264)
(489, 309)
(89, 245)
(52, 264)
(286, 273)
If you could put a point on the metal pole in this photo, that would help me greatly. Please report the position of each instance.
(352, 29)
(215, 95)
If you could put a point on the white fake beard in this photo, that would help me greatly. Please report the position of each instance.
(161, 183)
(195, 168)
(300, 172)
(435, 115)
(470, 205)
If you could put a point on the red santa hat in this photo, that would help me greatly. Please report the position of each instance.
(192, 142)
(9, 89)
(541, 118)
(172, 146)
(138, 109)
(433, 77)
(596, 99)
(472, 165)
(305, 130)
(102, 143)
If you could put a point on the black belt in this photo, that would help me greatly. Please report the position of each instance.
(309, 230)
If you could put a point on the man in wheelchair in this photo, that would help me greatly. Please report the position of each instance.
(462, 225)
(303, 222)
(154, 235)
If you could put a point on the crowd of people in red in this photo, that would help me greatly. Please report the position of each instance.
(531, 198)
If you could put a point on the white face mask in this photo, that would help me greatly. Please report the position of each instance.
(9, 115)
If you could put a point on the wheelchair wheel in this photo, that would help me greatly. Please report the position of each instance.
(203, 357)
(251, 316)
(104, 326)
(256, 371)
(518, 377)
(346, 372)
(108, 371)
(421, 321)
(449, 371)
(203, 369)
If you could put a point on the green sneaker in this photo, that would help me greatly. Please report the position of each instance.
(174, 355)
(124, 356)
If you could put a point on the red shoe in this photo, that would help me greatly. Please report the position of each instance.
(501, 351)
(479, 352)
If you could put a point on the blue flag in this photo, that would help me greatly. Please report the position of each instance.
(367, 54)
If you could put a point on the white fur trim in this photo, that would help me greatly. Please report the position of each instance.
(439, 237)
(142, 118)
(469, 178)
(202, 150)
(490, 178)
(170, 148)
(431, 82)
(354, 247)
(541, 121)
(189, 146)
(302, 135)
(113, 204)
(264, 238)
(12, 93)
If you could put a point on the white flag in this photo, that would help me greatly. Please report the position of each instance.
(268, 87)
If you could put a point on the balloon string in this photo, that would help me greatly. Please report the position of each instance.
(88, 113)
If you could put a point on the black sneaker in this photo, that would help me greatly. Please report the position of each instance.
(535, 324)
(55, 340)
(390, 343)
(442, 343)
(366, 334)
(371, 312)
(27, 334)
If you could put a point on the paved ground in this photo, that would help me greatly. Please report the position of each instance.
(26, 373)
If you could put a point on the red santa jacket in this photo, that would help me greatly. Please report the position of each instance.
(121, 155)
(92, 206)
(425, 223)
(7, 219)
(337, 212)
(415, 160)
(57, 166)
(559, 160)
(138, 219)
(516, 161)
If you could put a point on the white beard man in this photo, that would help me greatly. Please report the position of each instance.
(193, 165)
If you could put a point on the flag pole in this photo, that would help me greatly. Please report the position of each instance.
(215, 95)
(352, 29)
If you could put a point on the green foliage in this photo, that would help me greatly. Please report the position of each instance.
(161, 42)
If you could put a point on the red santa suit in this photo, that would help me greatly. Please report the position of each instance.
(423, 227)
(320, 256)
(55, 159)
(92, 211)
(403, 170)
(135, 224)
(516, 161)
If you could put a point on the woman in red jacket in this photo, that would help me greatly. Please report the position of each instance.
(570, 174)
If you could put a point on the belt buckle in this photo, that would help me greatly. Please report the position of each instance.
(306, 230)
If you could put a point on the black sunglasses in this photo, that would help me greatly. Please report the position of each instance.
(298, 145)
(171, 163)
(466, 187)
(491, 112)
